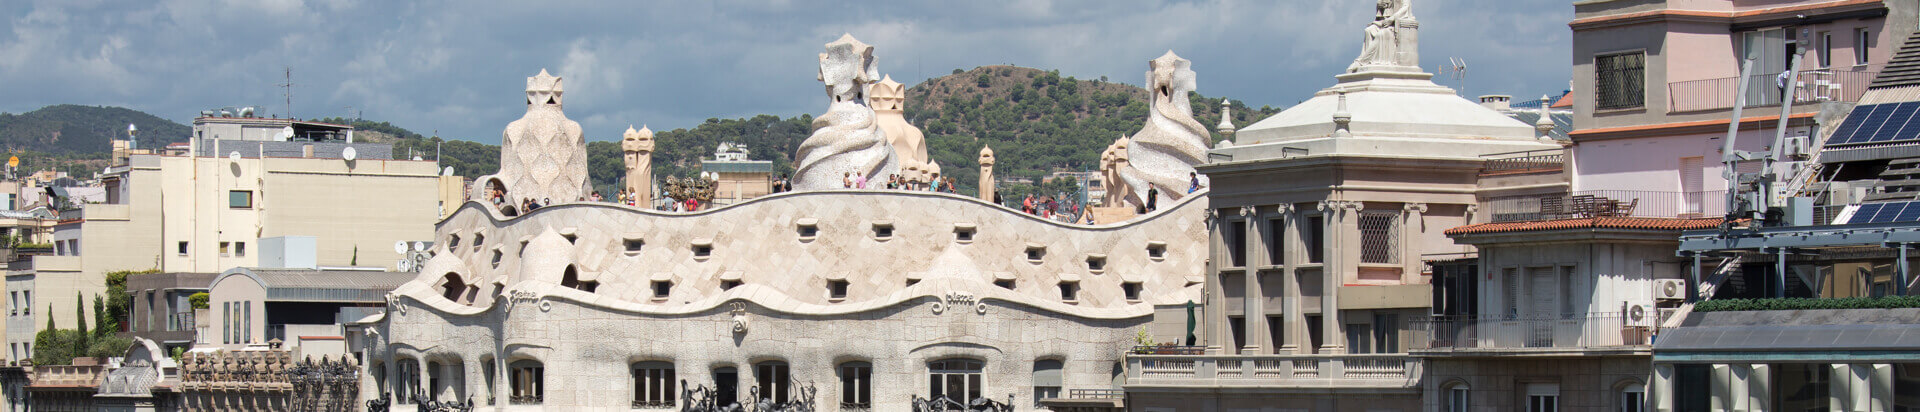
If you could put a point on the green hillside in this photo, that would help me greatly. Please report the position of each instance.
(76, 129)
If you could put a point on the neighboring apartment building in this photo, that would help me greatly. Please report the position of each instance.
(207, 213)
(737, 177)
(1322, 218)
(1655, 82)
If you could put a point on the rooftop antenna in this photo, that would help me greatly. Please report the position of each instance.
(1457, 68)
(288, 92)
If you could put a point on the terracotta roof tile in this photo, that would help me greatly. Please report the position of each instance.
(1644, 223)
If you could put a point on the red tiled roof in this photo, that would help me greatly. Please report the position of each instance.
(1566, 100)
(1642, 223)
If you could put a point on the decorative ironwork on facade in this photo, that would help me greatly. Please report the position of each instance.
(268, 380)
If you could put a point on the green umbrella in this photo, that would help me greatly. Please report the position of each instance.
(1191, 323)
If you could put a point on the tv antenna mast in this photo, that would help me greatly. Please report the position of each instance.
(1457, 69)
(287, 92)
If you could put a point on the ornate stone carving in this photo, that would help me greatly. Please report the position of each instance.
(739, 314)
(986, 174)
(1163, 153)
(846, 139)
(638, 146)
(542, 155)
(959, 300)
(1391, 40)
(1119, 188)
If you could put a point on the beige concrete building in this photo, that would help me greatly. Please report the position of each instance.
(737, 177)
(206, 213)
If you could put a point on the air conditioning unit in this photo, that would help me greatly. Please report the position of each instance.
(1670, 289)
(1640, 314)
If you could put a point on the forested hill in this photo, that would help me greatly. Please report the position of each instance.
(69, 129)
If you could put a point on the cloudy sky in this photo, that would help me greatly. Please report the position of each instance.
(459, 67)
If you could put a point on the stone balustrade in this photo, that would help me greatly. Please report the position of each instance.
(68, 375)
(1292, 371)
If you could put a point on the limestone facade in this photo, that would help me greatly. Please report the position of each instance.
(543, 155)
(814, 282)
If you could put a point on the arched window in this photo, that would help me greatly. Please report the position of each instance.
(1046, 380)
(856, 385)
(571, 279)
(773, 381)
(654, 385)
(1633, 397)
(957, 379)
(406, 382)
(1456, 397)
(527, 377)
(451, 286)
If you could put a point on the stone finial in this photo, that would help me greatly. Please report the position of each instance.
(1226, 117)
(887, 95)
(1544, 125)
(1163, 154)
(1342, 119)
(637, 140)
(544, 88)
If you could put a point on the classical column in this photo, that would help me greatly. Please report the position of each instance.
(1294, 323)
(1255, 309)
(1218, 337)
(1342, 251)
(1412, 225)
(986, 174)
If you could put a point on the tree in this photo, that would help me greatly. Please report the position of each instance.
(198, 300)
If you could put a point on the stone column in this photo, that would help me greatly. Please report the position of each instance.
(1218, 337)
(1342, 251)
(638, 147)
(1255, 309)
(1660, 390)
(1412, 225)
(986, 174)
(1293, 322)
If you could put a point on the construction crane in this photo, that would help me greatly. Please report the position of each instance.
(1753, 195)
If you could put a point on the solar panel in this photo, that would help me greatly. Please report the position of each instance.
(1879, 123)
(1887, 212)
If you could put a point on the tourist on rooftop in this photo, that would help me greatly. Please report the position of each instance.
(859, 180)
(1195, 178)
(846, 181)
(1153, 197)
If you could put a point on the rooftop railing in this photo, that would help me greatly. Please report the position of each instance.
(1532, 161)
(1764, 90)
(1588, 330)
(1345, 371)
(1607, 203)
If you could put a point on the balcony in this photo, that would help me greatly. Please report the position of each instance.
(1591, 332)
(1274, 371)
(1607, 203)
(1763, 90)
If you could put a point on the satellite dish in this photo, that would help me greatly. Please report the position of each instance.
(417, 158)
(400, 246)
(447, 171)
(233, 155)
(348, 153)
(405, 265)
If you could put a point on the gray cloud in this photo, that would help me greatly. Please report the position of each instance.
(458, 66)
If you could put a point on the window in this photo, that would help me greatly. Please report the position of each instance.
(662, 288)
(1046, 380)
(1457, 395)
(1234, 234)
(407, 386)
(453, 241)
(1316, 238)
(958, 380)
(702, 251)
(1862, 44)
(773, 380)
(729, 284)
(1131, 290)
(1386, 333)
(653, 385)
(1035, 253)
(240, 199)
(633, 245)
(1359, 338)
(1692, 385)
(1543, 397)
(1237, 327)
(226, 249)
(1069, 291)
(1906, 379)
(856, 385)
(1801, 386)
(571, 279)
(726, 383)
(226, 328)
(240, 249)
(1157, 250)
(1097, 264)
(1633, 398)
(1380, 237)
(479, 240)
(836, 289)
(1004, 283)
(1511, 277)
(1276, 242)
(246, 322)
(963, 234)
(1826, 49)
(882, 231)
(526, 378)
(1620, 81)
(183, 248)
